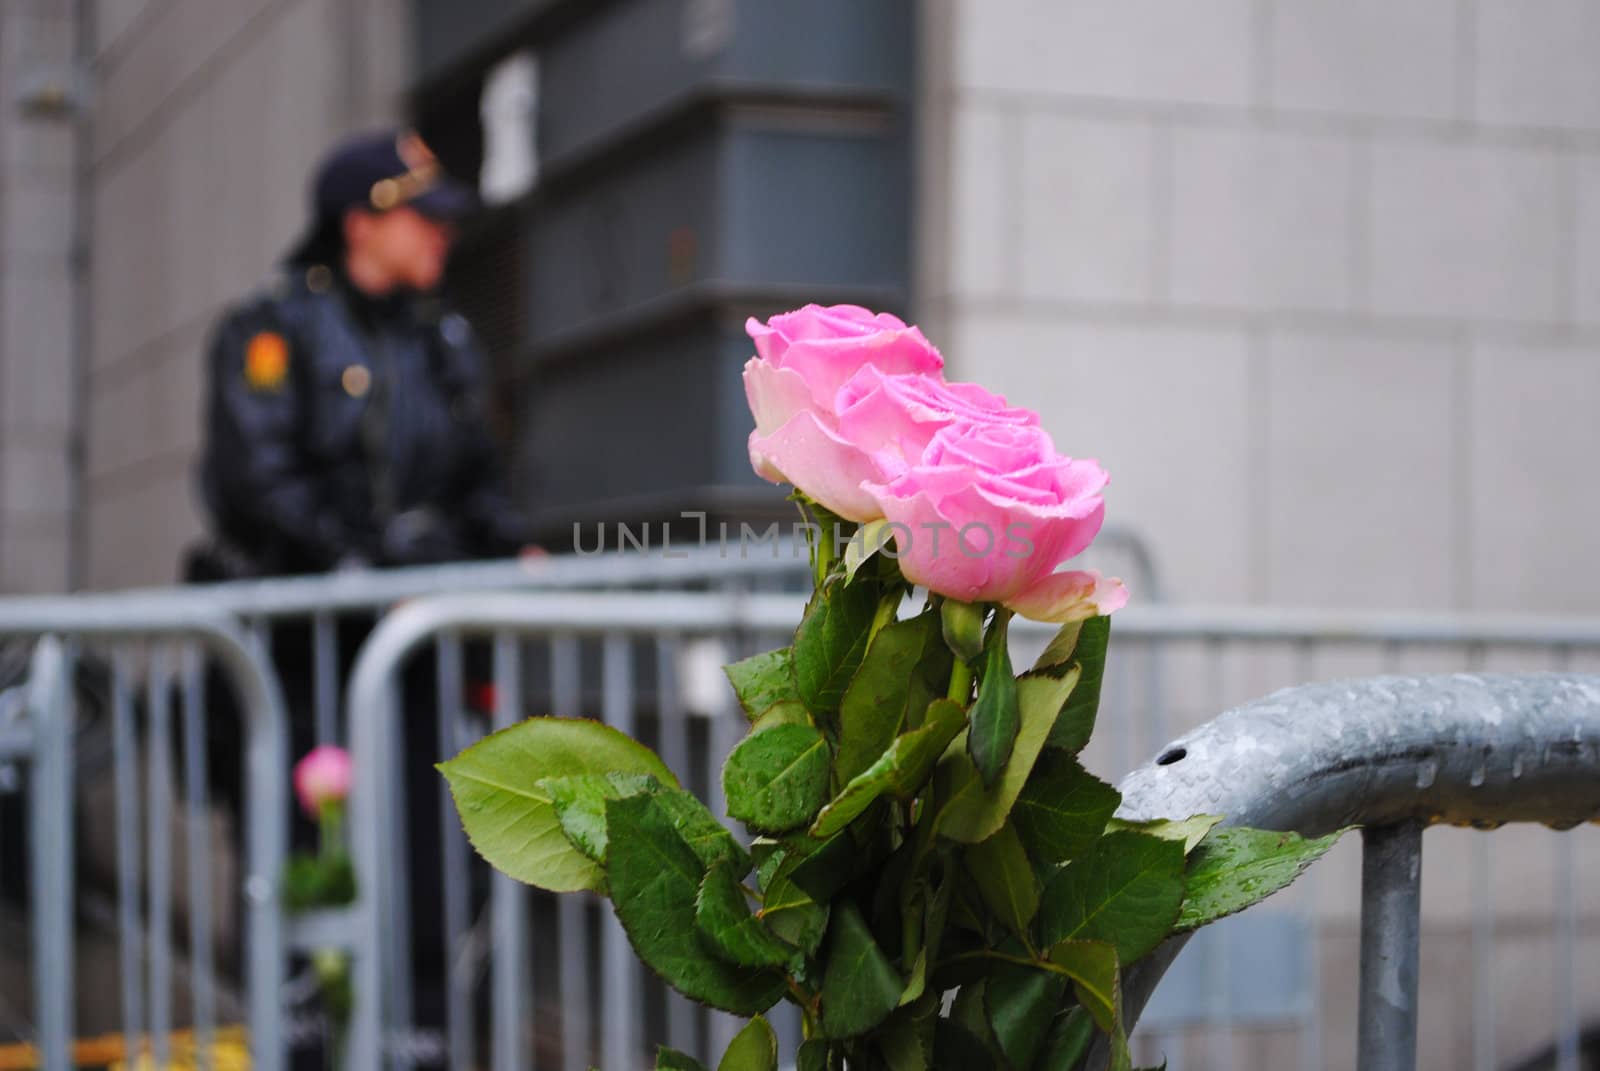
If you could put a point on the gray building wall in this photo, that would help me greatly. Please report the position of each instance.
(36, 421)
(206, 119)
(1319, 282)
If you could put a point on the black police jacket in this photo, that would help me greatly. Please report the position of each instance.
(344, 429)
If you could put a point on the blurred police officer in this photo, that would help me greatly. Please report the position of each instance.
(346, 414)
(346, 428)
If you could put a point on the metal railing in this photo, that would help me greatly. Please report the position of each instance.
(1394, 755)
(66, 627)
(578, 637)
(1151, 645)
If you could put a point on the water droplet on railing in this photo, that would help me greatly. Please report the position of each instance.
(1516, 765)
(1426, 774)
(1480, 773)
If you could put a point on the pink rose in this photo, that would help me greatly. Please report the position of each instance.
(988, 512)
(803, 358)
(322, 777)
(893, 418)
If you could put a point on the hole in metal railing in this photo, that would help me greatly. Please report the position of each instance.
(1172, 755)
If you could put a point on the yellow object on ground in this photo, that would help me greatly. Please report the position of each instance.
(229, 1051)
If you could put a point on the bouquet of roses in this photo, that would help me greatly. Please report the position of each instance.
(931, 875)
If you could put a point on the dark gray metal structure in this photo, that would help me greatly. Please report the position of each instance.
(700, 161)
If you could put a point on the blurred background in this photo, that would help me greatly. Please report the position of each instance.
(1317, 281)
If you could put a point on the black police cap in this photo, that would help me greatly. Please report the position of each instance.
(380, 171)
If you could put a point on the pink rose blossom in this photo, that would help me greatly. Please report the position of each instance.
(322, 777)
(989, 511)
(803, 358)
(893, 418)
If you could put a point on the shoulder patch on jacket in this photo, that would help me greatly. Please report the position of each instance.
(266, 361)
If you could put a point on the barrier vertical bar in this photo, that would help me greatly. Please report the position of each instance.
(397, 889)
(1482, 942)
(266, 764)
(1567, 1024)
(508, 903)
(199, 852)
(572, 915)
(125, 774)
(619, 1003)
(50, 840)
(682, 1014)
(1391, 924)
(1219, 996)
(458, 1011)
(325, 676)
(158, 785)
(1311, 1031)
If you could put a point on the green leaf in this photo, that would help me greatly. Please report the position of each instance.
(755, 1048)
(763, 680)
(511, 821)
(673, 1060)
(1020, 1002)
(860, 987)
(788, 712)
(1236, 867)
(901, 1040)
(777, 779)
(957, 1048)
(971, 813)
(968, 1012)
(1092, 966)
(995, 716)
(812, 1056)
(823, 870)
(655, 880)
(1126, 890)
(867, 541)
(902, 770)
(830, 643)
(580, 804)
(727, 925)
(788, 910)
(1063, 809)
(1059, 651)
(1068, 1041)
(312, 881)
(873, 710)
(1075, 723)
(963, 628)
(999, 866)
(1191, 831)
(708, 838)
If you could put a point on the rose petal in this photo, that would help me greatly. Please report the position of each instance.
(775, 394)
(927, 547)
(817, 461)
(1071, 596)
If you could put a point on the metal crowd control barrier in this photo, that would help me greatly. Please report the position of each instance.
(233, 623)
(1395, 755)
(62, 629)
(632, 629)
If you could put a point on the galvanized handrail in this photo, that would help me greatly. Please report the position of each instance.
(1393, 754)
(266, 758)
